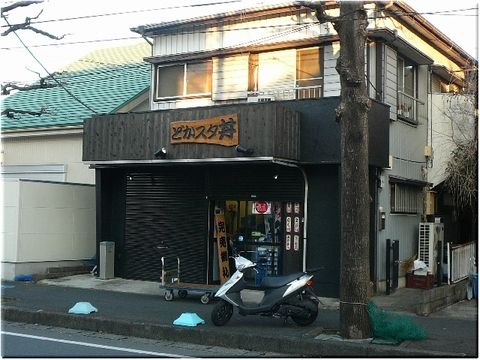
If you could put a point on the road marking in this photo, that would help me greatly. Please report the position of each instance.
(135, 351)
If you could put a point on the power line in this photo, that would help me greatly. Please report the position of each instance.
(439, 13)
(54, 79)
(133, 12)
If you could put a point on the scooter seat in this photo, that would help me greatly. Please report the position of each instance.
(270, 282)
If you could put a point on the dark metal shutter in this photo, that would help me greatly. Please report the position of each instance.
(256, 181)
(166, 209)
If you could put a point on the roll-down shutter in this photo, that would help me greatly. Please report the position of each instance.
(166, 216)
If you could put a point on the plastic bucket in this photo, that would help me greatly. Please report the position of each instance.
(475, 285)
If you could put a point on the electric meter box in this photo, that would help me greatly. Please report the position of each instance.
(107, 260)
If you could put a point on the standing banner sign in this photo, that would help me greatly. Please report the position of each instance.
(222, 247)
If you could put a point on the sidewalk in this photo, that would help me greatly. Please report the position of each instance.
(138, 308)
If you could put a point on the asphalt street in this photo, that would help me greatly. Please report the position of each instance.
(452, 332)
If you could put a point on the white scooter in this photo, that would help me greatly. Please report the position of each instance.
(284, 296)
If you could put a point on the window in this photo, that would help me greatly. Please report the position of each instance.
(309, 73)
(406, 86)
(404, 199)
(184, 80)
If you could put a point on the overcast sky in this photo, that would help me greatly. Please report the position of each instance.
(93, 24)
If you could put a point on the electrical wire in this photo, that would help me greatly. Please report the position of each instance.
(441, 13)
(132, 12)
(50, 75)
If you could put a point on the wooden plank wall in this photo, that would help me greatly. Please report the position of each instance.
(270, 129)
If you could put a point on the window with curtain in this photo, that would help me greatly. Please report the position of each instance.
(406, 86)
(185, 80)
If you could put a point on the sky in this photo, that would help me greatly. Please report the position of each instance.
(92, 24)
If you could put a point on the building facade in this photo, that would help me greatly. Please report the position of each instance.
(49, 203)
(241, 132)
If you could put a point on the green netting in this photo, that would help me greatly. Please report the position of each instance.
(390, 326)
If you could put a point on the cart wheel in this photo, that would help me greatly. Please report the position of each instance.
(182, 293)
(205, 298)
(169, 295)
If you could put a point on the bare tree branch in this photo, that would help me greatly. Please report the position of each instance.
(8, 8)
(12, 113)
(26, 25)
(44, 83)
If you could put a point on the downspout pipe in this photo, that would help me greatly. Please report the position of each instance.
(305, 207)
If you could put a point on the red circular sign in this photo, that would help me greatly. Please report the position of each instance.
(261, 207)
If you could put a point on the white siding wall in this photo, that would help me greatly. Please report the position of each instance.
(230, 77)
(44, 150)
(299, 24)
(452, 122)
(389, 69)
(331, 77)
(49, 224)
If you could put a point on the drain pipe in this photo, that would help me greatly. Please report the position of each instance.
(305, 203)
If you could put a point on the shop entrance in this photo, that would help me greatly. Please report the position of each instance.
(270, 229)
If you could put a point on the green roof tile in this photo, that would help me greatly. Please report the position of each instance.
(118, 76)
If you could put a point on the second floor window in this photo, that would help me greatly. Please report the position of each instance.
(406, 86)
(309, 73)
(185, 80)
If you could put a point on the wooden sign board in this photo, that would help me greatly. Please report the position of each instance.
(220, 130)
(222, 247)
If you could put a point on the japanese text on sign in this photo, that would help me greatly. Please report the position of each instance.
(222, 247)
(221, 130)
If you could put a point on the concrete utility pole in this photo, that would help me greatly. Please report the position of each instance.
(351, 26)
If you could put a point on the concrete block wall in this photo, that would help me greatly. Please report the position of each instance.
(440, 297)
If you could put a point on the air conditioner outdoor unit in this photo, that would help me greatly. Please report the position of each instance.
(429, 234)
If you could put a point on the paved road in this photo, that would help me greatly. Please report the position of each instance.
(26, 341)
(452, 331)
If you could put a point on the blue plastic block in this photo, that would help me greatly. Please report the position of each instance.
(82, 308)
(22, 277)
(189, 319)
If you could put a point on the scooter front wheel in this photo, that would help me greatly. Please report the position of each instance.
(222, 313)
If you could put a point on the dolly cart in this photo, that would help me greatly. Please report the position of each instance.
(171, 281)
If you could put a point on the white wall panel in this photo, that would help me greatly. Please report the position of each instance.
(230, 77)
(49, 224)
(45, 150)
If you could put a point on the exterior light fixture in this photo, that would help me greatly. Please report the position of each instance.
(244, 150)
(161, 153)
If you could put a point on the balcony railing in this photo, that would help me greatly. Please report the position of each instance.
(305, 92)
(409, 108)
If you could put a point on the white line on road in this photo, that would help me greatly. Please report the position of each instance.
(135, 351)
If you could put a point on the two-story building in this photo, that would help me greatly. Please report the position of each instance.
(241, 132)
(48, 202)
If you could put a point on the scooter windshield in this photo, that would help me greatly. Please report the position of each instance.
(241, 263)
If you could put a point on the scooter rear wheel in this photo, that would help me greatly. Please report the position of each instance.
(222, 313)
(312, 308)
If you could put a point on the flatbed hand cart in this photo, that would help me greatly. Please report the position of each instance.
(171, 281)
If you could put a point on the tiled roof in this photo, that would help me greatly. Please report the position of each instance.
(100, 83)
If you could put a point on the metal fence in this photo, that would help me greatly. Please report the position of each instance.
(461, 261)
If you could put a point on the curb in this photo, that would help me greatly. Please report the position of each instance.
(309, 346)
